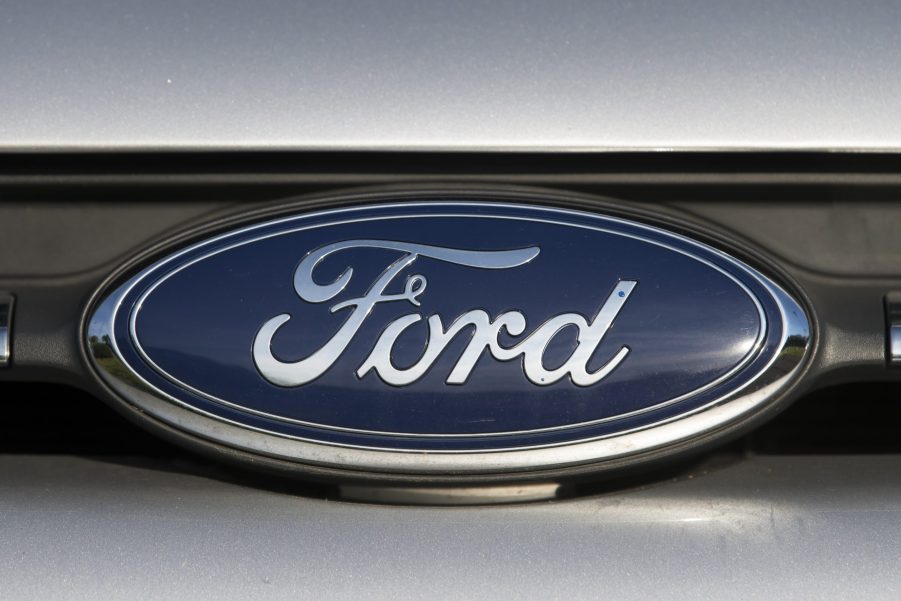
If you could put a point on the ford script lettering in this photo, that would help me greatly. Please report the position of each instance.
(448, 338)
(484, 337)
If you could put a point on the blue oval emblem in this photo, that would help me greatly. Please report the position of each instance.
(483, 336)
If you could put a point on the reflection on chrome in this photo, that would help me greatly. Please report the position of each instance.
(6, 317)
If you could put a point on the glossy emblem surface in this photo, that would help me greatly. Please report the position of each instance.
(428, 337)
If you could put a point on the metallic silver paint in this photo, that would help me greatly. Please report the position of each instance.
(792, 528)
(489, 74)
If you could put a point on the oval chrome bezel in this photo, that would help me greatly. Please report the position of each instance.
(738, 405)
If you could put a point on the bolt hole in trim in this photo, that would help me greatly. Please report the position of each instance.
(771, 356)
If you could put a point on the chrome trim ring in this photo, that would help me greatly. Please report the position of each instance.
(775, 378)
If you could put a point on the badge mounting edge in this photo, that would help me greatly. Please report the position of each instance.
(725, 413)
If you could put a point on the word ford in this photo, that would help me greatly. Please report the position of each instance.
(485, 335)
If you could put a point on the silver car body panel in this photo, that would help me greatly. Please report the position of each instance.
(762, 528)
(492, 75)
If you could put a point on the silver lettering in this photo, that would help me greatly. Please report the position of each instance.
(485, 331)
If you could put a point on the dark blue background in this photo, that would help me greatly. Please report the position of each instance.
(685, 323)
